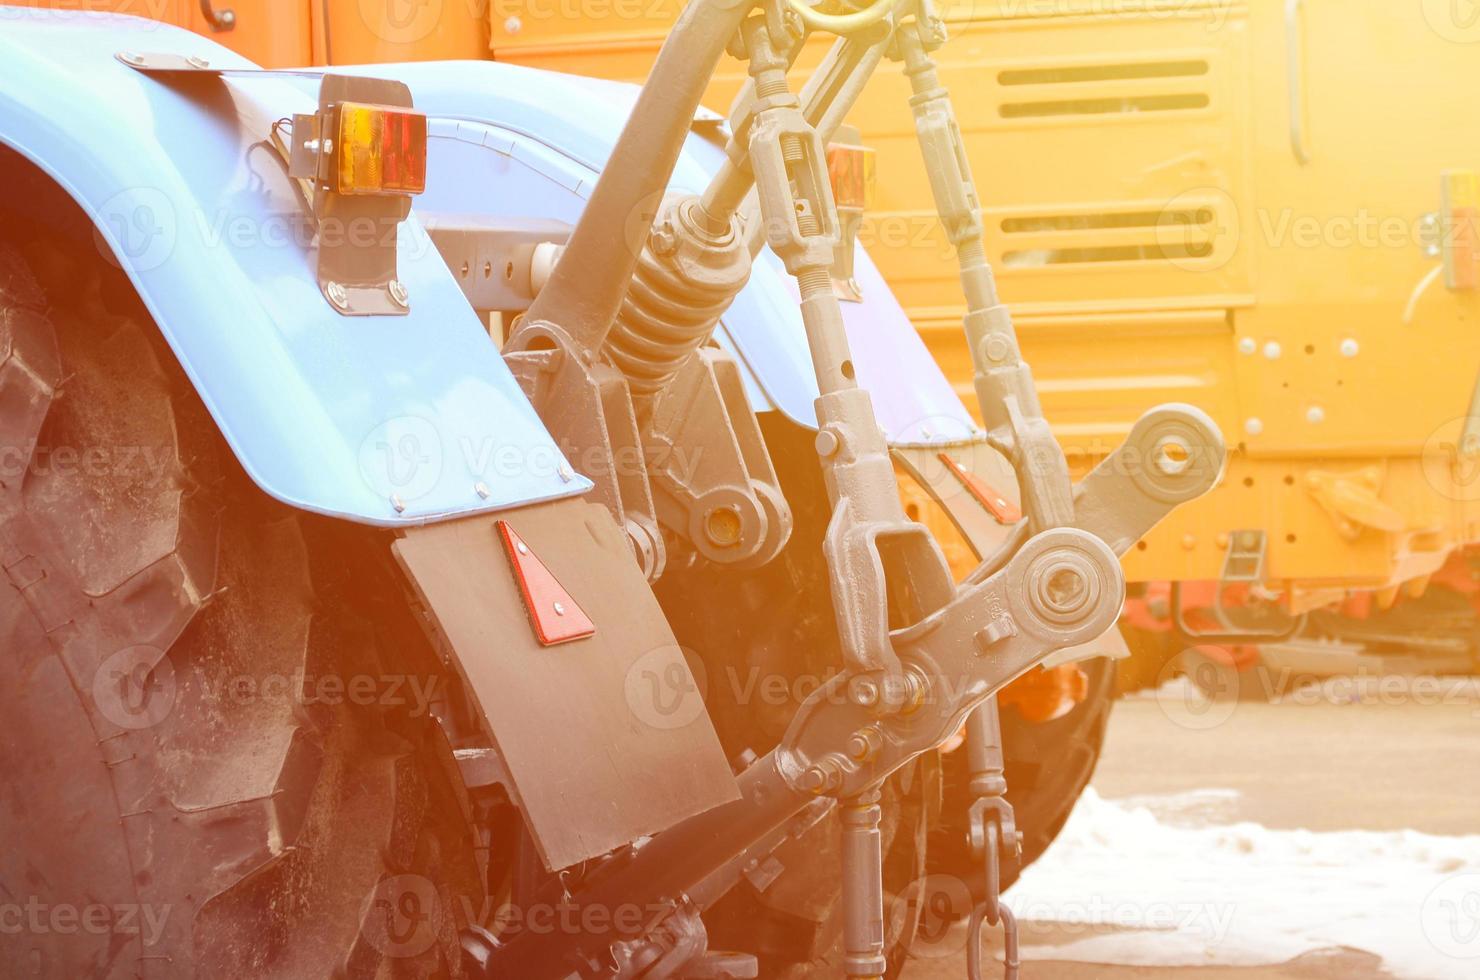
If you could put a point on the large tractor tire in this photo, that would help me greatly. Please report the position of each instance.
(208, 773)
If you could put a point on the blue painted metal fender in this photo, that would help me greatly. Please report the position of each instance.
(519, 142)
(383, 420)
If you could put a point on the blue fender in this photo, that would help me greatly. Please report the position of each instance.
(382, 420)
(511, 141)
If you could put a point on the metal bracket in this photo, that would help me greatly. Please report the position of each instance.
(712, 477)
(588, 409)
(356, 234)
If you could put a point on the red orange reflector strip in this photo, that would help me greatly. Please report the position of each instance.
(997, 504)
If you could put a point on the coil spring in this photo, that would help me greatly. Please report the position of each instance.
(667, 315)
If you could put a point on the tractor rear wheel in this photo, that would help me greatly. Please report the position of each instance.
(209, 773)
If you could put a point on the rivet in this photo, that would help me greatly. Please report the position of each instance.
(513, 25)
(1253, 426)
(566, 473)
(131, 58)
(196, 61)
(1349, 347)
(398, 292)
(398, 503)
(1315, 414)
(1189, 542)
(482, 489)
(559, 609)
(337, 294)
(522, 548)
(1247, 345)
(1272, 350)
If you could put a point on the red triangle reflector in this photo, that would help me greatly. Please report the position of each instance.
(554, 614)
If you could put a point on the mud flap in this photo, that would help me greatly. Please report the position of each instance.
(604, 738)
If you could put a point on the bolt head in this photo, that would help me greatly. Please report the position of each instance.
(723, 526)
(827, 442)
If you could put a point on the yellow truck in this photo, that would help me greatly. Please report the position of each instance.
(1264, 208)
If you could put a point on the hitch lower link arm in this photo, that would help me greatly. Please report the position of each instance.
(1064, 586)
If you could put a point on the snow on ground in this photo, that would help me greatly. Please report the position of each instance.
(1240, 894)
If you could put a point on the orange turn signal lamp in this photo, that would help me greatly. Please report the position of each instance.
(850, 169)
(378, 149)
(362, 149)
